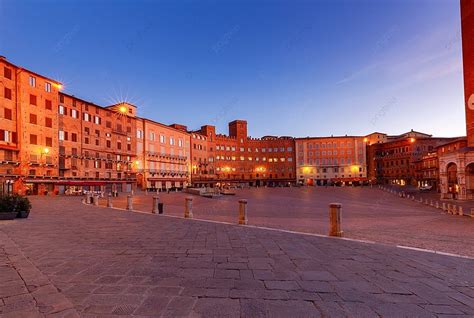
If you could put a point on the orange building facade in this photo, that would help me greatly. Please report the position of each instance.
(97, 146)
(237, 159)
(163, 156)
(331, 160)
(28, 131)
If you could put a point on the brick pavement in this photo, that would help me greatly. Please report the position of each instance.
(368, 214)
(110, 263)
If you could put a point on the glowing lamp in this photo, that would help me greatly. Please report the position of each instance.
(412, 140)
(123, 109)
(46, 150)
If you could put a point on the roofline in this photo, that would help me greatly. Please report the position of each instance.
(29, 71)
(163, 125)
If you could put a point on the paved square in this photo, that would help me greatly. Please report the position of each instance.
(90, 261)
(368, 214)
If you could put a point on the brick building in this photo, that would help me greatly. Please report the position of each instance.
(331, 160)
(163, 156)
(427, 171)
(28, 131)
(239, 159)
(97, 146)
(456, 160)
(394, 161)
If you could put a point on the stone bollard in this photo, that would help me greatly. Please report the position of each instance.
(431, 203)
(444, 207)
(437, 205)
(129, 202)
(88, 198)
(243, 220)
(455, 210)
(188, 207)
(335, 210)
(96, 200)
(156, 201)
(460, 211)
(109, 201)
(450, 209)
(413, 198)
(426, 202)
(421, 200)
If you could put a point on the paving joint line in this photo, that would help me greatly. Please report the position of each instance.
(295, 232)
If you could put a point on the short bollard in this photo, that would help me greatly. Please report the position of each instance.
(96, 200)
(89, 198)
(431, 203)
(455, 212)
(335, 219)
(450, 209)
(444, 207)
(243, 212)
(460, 211)
(437, 205)
(109, 201)
(129, 202)
(188, 207)
(413, 198)
(421, 200)
(156, 201)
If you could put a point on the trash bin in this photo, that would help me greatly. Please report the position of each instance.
(160, 208)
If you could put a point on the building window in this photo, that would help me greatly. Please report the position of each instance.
(33, 139)
(32, 81)
(74, 137)
(139, 134)
(8, 93)
(62, 110)
(49, 142)
(32, 99)
(33, 119)
(48, 104)
(7, 72)
(171, 141)
(61, 135)
(74, 113)
(86, 117)
(47, 87)
(180, 142)
(97, 120)
(162, 139)
(7, 113)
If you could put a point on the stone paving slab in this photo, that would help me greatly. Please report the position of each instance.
(24, 290)
(111, 263)
(367, 214)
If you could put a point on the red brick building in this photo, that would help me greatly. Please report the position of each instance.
(457, 160)
(239, 159)
(28, 131)
(394, 161)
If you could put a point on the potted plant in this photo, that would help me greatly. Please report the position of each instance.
(7, 208)
(23, 206)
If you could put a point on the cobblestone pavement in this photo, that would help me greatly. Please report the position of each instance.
(368, 214)
(110, 263)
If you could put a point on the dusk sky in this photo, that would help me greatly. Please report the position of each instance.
(299, 68)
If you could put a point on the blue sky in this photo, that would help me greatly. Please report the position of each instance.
(300, 68)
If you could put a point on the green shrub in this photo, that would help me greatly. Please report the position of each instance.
(14, 203)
